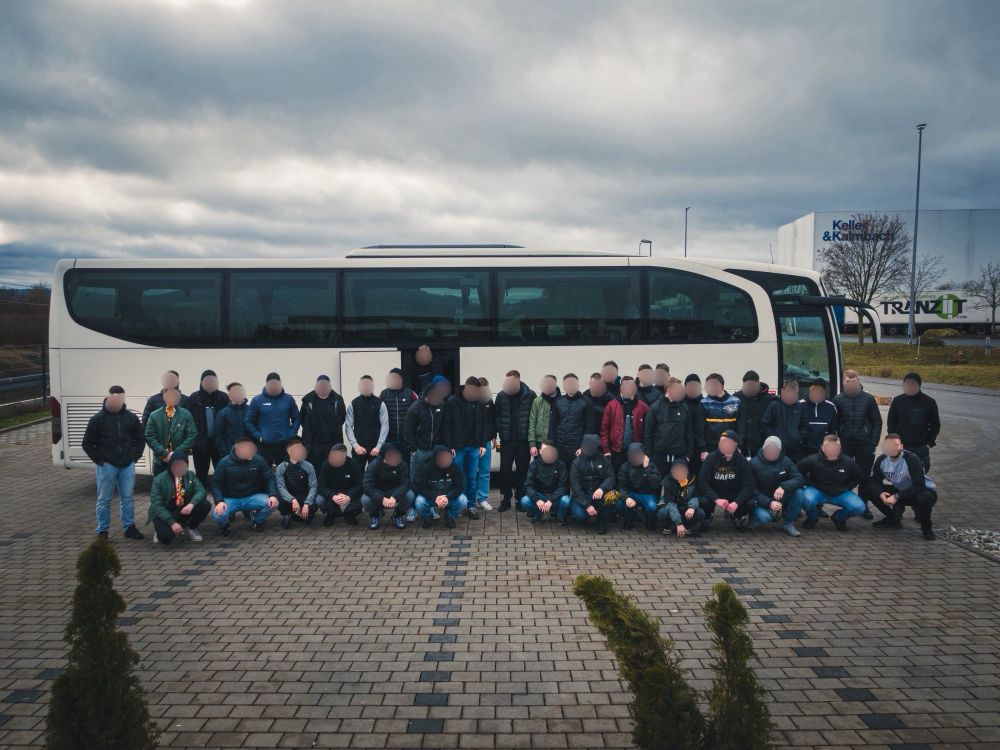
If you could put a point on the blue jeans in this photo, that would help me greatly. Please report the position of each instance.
(793, 502)
(579, 514)
(529, 507)
(453, 509)
(467, 461)
(256, 504)
(484, 475)
(108, 478)
(646, 502)
(850, 504)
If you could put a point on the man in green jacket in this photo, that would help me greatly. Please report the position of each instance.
(177, 502)
(538, 417)
(170, 428)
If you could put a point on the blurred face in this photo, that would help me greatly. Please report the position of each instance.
(892, 447)
(178, 468)
(470, 393)
(337, 458)
(771, 452)
(636, 458)
(236, 394)
(713, 387)
(366, 387)
(645, 378)
(831, 449)
(852, 386)
(750, 387)
(727, 446)
(424, 355)
(391, 457)
(272, 388)
(679, 473)
(676, 392)
(245, 450)
(549, 454)
(394, 381)
(443, 460)
(114, 402)
(547, 386)
(911, 387)
(790, 394)
(169, 380)
(511, 385)
(172, 397)
(597, 387)
(628, 389)
(571, 386)
(660, 377)
(817, 395)
(609, 373)
(443, 389)
(322, 388)
(296, 453)
(210, 384)
(485, 394)
(692, 389)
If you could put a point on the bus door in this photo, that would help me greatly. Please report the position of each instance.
(807, 347)
(374, 362)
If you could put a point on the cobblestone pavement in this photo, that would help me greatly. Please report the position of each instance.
(348, 638)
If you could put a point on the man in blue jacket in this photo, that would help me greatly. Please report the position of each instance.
(243, 481)
(272, 419)
(820, 414)
(229, 422)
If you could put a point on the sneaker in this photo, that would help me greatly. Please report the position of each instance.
(102, 534)
(602, 528)
(867, 515)
(426, 523)
(705, 525)
(328, 519)
(840, 524)
(789, 528)
(563, 521)
(504, 505)
(192, 534)
(398, 522)
(434, 514)
(888, 523)
(411, 515)
(929, 534)
(286, 522)
(375, 522)
(156, 539)
(485, 505)
(449, 521)
(226, 530)
(810, 523)
(259, 527)
(133, 533)
(472, 513)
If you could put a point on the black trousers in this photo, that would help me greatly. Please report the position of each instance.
(922, 504)
(514, 459)
(330, 508)
(662, 462)
(190, 521)
(273, 453)
(924, 453)
(203, 459)
(285, 509)
(617, 461)
(568, 455)
(862, 453)
(317, 453)
(363, 460)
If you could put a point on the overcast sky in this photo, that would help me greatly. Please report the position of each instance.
(293, 128)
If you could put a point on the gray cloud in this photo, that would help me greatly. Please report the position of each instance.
(305, 128)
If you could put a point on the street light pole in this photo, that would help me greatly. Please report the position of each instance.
(912, 328)
(686, 209)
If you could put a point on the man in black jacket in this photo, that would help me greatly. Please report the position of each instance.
(423, 366)
(243, 482)
(647, 389)
(366, 423)
(397, 399)
(898, 479)
(340, 487)
(859, 421)
(229, 421)
(830, 477)
(322, 414)
(785, 419)
(753, 402)
(114, 441)
(169, 380)
(205, 405)
(439, 485)
(638, 484)
(386, 487)
(597, 397)
(913, 415)
(513, 405)
(612, 380)
(667, 429)
(725, 481)
(692, 400)
(464, 432)
(590, 478)
(567, 420)
(547, 485)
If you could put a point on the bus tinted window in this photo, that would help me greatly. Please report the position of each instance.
(283, 308)
(580, 306)
(413, 306)
(687, 307)
(163, 307)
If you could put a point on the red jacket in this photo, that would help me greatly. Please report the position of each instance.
(613, 425)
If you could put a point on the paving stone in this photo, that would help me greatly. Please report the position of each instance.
(52, 672)
(882, 721)
(442, 638)
(23, 696)
(430, 699)
(830, 672)
(425, 726)
(855, 694)
(435, 676)
(810, 651)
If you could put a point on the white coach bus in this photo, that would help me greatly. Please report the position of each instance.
(485, 309)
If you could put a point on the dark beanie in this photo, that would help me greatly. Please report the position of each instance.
(692, 378)
(323, 377)
(273, 376)
(914, 376)
(206, 373)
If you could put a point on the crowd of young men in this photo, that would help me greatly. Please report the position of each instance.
(649, 448)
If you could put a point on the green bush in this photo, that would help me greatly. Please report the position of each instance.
(664, 707)
(740, 719)
(98, 702)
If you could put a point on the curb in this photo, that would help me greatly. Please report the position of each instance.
(970, 548)
(24, 424)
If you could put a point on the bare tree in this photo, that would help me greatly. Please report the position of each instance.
(986, 291)
(867, 258)
(929, 273)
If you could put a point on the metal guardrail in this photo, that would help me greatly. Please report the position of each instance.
(24, 374)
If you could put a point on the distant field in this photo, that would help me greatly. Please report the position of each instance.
(934, 363)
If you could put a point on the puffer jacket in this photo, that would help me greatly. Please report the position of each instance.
(205, 408)
(788, 423)
(546, 480)
(539, 418)
(513, 414)
(396, 404)
(770, 475)
(590, 472)
(859, 420)
(751, 410)
(668, 429)
(568, 420)
(641, 480)
(237, 478)
(229, 426)
(424, 425)
(830, 477)
(595, 411)
(382, 481)
(114, 438)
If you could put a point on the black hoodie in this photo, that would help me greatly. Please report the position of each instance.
(424, 425)
(323, 419)
(590, 471)
(382, 481)
(346, 479)
(548, 480)
(915, 419)
(730, 479)
(432, 480)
